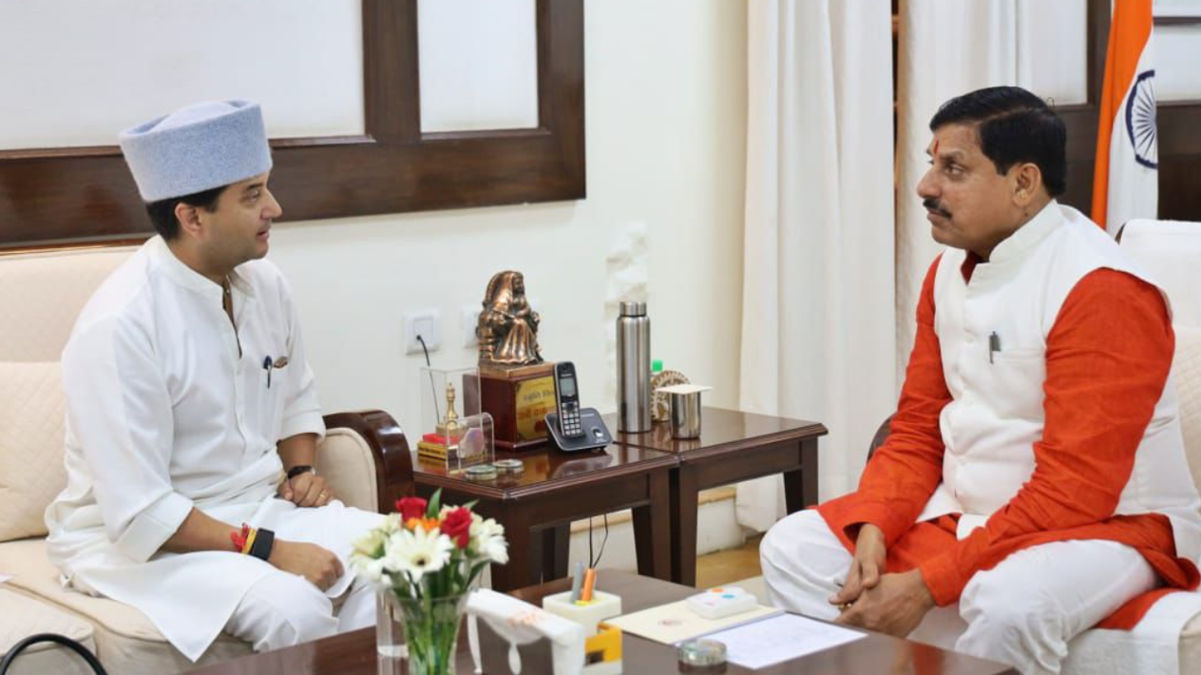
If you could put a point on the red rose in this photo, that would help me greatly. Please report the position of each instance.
(457, 526)
(411, 507)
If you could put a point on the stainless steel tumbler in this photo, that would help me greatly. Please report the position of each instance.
(686, 415)
(633, 368)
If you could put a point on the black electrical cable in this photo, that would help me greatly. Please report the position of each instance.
(433, 389)
(52, 637)
(593, 562)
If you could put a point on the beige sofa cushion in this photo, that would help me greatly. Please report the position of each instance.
(32, 412)
(25, 616)
(1186, 371)
(126, 640)
(43, 293)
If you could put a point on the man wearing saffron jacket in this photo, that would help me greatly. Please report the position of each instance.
(1034, 481)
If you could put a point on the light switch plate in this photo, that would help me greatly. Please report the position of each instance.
(471, 317)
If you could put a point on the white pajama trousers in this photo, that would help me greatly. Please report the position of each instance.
(284, 609)
(1022, 612)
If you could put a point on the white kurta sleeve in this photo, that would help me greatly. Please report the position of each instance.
(302, 410)
(119, 409)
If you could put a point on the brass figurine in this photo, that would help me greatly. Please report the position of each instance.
(450, 428)
(508, 328)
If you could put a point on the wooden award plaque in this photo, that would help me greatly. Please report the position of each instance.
(518, 400)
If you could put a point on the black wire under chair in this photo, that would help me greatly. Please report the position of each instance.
(51, 637)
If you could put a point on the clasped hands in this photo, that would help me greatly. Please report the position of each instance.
(306, 489)
(872, 599)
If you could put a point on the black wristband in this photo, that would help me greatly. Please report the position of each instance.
(299, 469)
(264, 540)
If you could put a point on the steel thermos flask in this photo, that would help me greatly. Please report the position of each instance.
(633, 368)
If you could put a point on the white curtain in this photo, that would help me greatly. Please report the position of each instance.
(950, 47)
(818, 300)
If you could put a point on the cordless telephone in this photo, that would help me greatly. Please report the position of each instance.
(571, 427)
(567, 400)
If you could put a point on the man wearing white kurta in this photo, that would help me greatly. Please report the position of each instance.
(191, 410)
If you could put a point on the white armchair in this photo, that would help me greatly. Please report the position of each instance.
(365, 457)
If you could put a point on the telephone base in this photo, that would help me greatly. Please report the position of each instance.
(596, 434)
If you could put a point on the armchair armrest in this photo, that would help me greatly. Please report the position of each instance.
(880, 437)
(365, 457)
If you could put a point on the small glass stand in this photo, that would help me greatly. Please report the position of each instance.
(455, 434)
(432, 387)
(476, 446)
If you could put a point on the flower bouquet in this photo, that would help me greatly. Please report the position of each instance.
(425, 559)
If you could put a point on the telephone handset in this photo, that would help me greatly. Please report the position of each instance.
(572, 427)
(567, 400)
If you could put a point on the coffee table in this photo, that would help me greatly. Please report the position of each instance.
(354, 653)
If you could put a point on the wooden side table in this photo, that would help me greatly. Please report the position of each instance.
(538, 506)
(733, 446)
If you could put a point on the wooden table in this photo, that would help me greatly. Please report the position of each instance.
(733, 446)
(538, 506)
(354, 653)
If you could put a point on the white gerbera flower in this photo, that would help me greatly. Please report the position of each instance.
(371, 569)
(371, 545)
(488, 539)
(417, 552)
(392, 523)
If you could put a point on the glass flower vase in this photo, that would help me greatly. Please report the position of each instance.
(431, 631)
(389, 625)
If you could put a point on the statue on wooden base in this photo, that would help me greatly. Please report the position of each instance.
(508, 328)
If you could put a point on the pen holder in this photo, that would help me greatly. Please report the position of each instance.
(587, 614)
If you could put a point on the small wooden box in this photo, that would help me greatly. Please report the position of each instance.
(518, 400)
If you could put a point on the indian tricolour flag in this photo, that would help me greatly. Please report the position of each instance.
(1126, 178)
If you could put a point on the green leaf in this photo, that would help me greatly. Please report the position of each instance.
(434, 505)
(475, 571)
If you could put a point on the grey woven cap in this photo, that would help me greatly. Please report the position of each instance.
(200, 147)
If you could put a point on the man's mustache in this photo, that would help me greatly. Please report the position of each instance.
(932, 205)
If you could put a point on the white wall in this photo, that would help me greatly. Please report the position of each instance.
(665, 115)
(665, 102)
(75, 72)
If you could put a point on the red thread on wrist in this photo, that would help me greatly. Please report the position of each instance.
(239, 538)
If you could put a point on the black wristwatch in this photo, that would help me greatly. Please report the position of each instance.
(264, 541)
(299, 469)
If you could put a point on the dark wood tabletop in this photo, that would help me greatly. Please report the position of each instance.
(548, 469)
(354, 653)
(556, 488)
(722, 431)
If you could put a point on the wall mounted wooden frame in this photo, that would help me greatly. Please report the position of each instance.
(64, 195)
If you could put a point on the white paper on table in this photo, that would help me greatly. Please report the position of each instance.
(675, 622)
(780, 638)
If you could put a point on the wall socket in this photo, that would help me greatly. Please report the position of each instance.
(426, 323)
